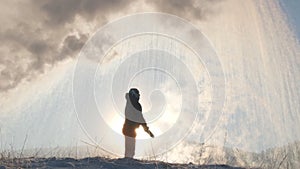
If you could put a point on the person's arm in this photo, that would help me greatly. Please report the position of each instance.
(146, 128)
(144, 124)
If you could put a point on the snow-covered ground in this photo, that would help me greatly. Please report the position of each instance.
(100, 163)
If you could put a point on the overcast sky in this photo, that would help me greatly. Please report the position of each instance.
(35, 34)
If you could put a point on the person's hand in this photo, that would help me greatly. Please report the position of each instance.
(151, 134)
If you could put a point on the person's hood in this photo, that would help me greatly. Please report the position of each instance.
(127, 96)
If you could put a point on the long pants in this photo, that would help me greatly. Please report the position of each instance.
(129, 146)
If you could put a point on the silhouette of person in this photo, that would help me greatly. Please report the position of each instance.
(133, 119)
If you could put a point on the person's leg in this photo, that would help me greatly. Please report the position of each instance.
(129, 146)
(126, 146)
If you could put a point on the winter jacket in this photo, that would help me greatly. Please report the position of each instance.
(133, 117)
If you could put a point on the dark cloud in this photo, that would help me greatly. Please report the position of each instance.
(34, 52)
(43, 38)
(72, 44)
(12, 74)
(64, 11)
(38, 47)
(45, 32)
(188, 9)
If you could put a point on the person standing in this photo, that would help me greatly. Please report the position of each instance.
(133, 119)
